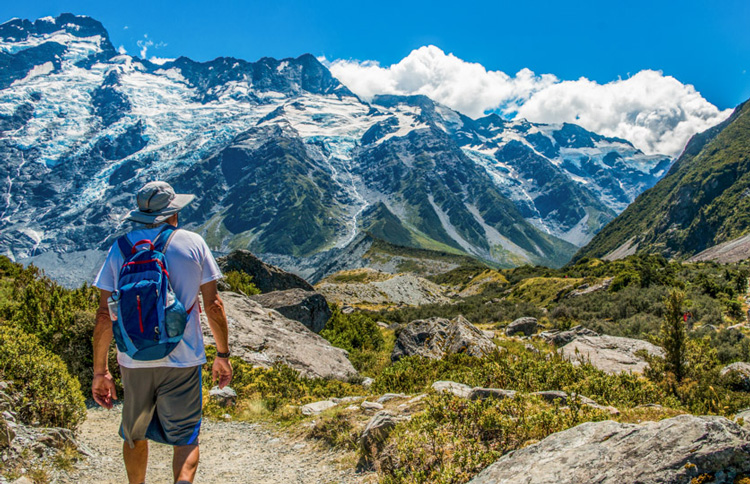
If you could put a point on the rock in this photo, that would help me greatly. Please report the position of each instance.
(436, 337)
(376, 432)
(346, 399)
(382, 324)
(226, 397)
(23, 480)
(490, 335)
(266, 277)
(7, 433)
(56, 438)
(416, 399)
(371, 406)
(588, 289)
(553, 396)
(611, 354)
(317, 407)
(390, 396)
(561, 338)
(263, 337)
(738, 327)
(526, 325)
(347, 310)
(457, 389)
(737, 375)
(669, 451)
(743, 418)
(479, 393)
(307, 307)
(367, 382)
(385, 289)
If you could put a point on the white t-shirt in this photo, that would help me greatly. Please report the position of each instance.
(191, 264)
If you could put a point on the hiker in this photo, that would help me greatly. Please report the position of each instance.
(149, 287)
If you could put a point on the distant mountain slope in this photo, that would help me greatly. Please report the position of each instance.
(704, 200)
(284, 159)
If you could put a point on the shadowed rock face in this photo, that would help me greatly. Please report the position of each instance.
(309, 308)
(670, 451)
(263, 337)
(436, 337)
(265, 276)
(612, 354)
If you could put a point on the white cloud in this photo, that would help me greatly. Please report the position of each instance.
(657, 113)
(122, 50)
(144, 44)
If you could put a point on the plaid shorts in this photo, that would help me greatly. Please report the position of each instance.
(162, 404)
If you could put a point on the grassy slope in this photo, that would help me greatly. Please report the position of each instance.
(701, 202)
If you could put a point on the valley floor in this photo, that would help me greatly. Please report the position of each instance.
(231, 452)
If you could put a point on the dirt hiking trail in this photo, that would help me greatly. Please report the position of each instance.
(231, 452)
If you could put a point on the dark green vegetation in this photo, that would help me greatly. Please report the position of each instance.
(241, 282)
(701, 202)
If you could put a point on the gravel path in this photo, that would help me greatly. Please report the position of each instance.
(231, 452)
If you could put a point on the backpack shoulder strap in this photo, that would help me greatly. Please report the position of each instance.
(125, 246)
(164, 238)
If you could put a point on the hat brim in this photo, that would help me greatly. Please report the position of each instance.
(179, 202)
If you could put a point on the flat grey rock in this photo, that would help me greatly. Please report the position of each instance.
(670, 451)
(263, 337)
(457, 389)
(526, 325)
(436, 337)
(317, 407)
(611, 354)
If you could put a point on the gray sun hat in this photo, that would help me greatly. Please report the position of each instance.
(157, 201)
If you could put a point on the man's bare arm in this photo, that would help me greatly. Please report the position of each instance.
(103, 388)
(217, 321)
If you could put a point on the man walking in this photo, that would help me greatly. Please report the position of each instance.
(163, 397)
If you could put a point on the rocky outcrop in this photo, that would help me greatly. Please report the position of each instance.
(737, 375)
(385, 290)
(436, 337)
(307, 307)
(669, 451)
(526, 325)
(561, 338)
(458, 389)
(263, 337)
(612, 354)
(266, 277)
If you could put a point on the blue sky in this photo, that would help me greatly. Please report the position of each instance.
(703, 43)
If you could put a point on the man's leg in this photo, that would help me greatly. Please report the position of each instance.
(185, 462)
(136, 460)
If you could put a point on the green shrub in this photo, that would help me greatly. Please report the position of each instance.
(354, 331)
(673, 335)
(50, 396)
(241, 282)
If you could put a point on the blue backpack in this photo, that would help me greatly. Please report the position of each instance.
(148, 321)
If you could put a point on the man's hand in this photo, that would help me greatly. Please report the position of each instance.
(103, 390)
(222, 371)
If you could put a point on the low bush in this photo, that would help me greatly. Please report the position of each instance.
(50, 396)
(369, 350)
(241, 282)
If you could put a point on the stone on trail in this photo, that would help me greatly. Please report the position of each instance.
(612, 354)
(263, 337)
(317, 407)
(436, 337)
(458, 389)
(526, 325)
(226, 397)
(307, 307)
(674, 450)
(737, 375)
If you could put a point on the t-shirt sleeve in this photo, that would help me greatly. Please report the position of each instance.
(211, 271)
(107, 277)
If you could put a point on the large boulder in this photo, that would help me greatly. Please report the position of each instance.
(526, 325)
(561, 338)
(262, 337)
(373, 438)
(436, 337)
(307, 307)
(737, 375)
(612, 354)
(266, 277)
(669, 451)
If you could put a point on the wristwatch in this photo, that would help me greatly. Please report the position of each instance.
(219, 354)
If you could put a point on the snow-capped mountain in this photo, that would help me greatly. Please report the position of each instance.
(283, 157)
